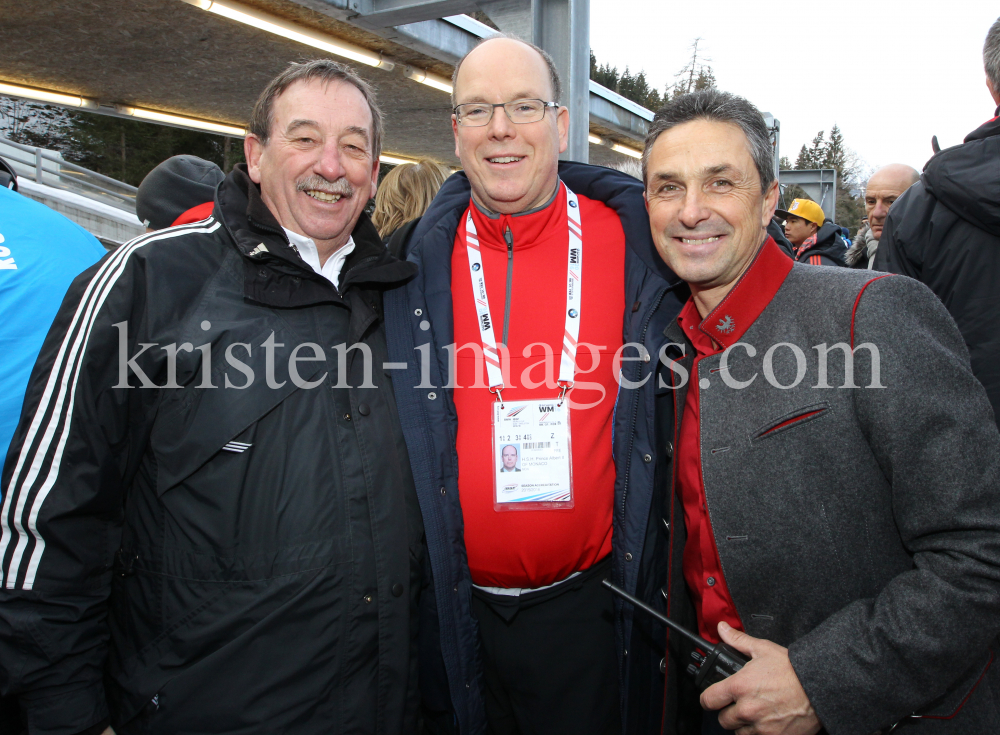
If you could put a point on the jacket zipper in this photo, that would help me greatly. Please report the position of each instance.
(635, 404)
(628, 457)
(509, 237)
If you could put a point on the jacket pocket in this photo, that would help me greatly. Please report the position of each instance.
(790, 420)
(958, 694)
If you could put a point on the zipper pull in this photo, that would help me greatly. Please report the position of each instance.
(509, 237)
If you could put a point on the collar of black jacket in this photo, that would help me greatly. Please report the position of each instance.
(829, 242)
(963, 178)
(274, 274)
(988, 129)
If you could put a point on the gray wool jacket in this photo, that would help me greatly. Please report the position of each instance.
(859, 527)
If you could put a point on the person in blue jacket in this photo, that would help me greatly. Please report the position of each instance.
(420, 325)
(41, 252)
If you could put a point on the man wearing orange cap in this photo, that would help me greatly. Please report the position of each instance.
(814, 240)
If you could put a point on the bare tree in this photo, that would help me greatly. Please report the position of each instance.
(695, 76)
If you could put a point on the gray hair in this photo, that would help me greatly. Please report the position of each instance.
(262, 117)
(712, 104)
(629, 166)
(553, 72)
(991, 55)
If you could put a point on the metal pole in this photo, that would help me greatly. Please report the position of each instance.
(562, 27)
(38, 166)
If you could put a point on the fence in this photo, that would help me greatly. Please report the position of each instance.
(46, 167)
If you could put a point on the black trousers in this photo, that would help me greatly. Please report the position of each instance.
(549, 659)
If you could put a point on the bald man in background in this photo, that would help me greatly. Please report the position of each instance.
(883, 188)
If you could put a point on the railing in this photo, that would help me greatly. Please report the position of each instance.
(44, 167)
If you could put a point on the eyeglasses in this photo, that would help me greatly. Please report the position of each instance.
(478, 114)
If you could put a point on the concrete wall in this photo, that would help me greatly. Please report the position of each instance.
(109, 224)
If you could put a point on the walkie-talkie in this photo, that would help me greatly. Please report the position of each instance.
(719, 662)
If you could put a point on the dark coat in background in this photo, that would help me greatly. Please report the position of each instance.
(945, 232)
(777, 233)
(829, 248)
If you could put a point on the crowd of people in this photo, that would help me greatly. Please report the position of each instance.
(277, 466)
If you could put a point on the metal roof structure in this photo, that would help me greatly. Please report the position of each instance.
(182, 58)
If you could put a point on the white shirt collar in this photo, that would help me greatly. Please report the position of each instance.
(330, 270)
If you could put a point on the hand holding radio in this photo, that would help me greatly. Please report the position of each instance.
(765, 696)
(751, 680)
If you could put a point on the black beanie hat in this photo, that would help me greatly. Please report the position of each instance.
(174, 187)
(8, 177)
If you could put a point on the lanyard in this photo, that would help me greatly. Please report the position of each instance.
(574, 264)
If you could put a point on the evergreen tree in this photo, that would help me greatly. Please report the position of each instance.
(695, 76)
(705, 80)
(850, 209)
(636, 88)
(812, 156)
(802, 162)
(604, 74)
(631, 86)
(129, 149)
(833, 153)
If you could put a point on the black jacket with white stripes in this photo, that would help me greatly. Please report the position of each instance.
(208, 519)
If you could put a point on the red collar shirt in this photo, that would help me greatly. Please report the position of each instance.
(723, 327)
(529, 549)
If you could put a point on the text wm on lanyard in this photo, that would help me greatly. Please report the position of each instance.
(531, 439)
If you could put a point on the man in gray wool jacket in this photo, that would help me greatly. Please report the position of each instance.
(828, 466)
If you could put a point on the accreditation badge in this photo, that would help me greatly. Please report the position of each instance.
(531, 455)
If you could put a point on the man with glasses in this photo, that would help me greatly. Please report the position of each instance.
(526, 267)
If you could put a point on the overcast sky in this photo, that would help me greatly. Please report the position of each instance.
(890, 73)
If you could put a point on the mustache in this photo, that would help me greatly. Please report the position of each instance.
(341, 186)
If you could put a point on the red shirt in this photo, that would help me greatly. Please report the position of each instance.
(534, 548)
(196, 214)
(735, 313)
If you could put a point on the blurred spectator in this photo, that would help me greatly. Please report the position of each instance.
(777, 232)
(405, 193)
(814, 240)
(178, 191)
(41, 252)
(945, 231)
(883, 188)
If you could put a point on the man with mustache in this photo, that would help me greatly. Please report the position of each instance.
(834, 489)
(208, 521)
